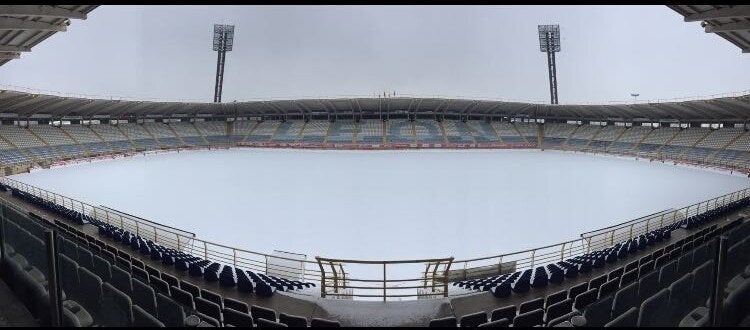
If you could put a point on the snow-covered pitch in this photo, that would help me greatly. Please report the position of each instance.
(385, 204)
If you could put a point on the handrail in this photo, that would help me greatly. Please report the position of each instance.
(337, 284)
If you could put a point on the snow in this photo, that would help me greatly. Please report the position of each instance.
(385, 204)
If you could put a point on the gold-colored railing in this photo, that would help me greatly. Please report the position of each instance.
(336, 281)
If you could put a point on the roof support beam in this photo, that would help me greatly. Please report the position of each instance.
(9, 55)
(8, 23)
(39, 10)
(6, 48)
(737, 26)
(731, 12)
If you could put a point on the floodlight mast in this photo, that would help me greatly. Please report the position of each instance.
(549, 42)
(223, 41)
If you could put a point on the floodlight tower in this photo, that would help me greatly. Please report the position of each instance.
(223, 40)
(549, 42)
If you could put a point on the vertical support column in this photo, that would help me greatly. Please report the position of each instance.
(55, 292)
(717, 281)
(2, 234)
(384, 283)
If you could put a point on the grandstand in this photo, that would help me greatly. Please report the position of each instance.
(70, 263)
(611, 276)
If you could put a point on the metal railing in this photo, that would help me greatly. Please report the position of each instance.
(335, 280)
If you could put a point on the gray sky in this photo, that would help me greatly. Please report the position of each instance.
(164, 53)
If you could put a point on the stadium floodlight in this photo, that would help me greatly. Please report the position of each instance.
(549, 42)
(223, 42)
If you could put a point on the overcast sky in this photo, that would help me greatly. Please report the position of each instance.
(492, 52)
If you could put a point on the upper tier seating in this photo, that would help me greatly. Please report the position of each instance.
(605, 137)
(629, 139)
(482, 130)
(555, 134)
(163, 134)
(288, 131)
(113, 136)
(315, 131)
(457, 132)
(427, 131)
(215, 132)
(400, 131)
(342, 131)
(528, 130)
(580, 138)
(370, 131)
(187, 132)
(508, 133)
(85, 136)
(242, 128)
(263, 131)
(138, 135)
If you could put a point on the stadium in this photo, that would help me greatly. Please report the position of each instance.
(80, 258)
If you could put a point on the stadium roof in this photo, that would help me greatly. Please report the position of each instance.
(28, 105)
(24, 26)
(731, 22)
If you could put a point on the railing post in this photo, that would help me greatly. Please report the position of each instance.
(630, 236)
(137, 229)
(335, 278)
(384, 278)
(533, 256)
(562, 252)
(322, 278)
(234, 258)
(205, 252)
(717, 282)
(178, 242)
